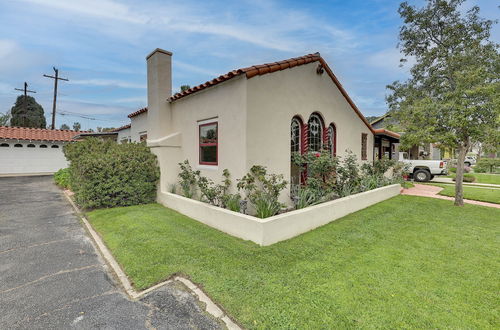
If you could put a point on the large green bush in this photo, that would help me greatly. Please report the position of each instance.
(107, 174)
(490, 165)
(62, 178)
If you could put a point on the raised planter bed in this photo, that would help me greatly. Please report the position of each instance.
(279, 227)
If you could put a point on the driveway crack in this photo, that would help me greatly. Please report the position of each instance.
(48, 276)
(34, 245)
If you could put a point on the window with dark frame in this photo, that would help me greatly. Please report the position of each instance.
(364, 143)
(208, 135)
(315, 131)
(295, 135)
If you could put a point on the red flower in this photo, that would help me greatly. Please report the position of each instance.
(317, 154)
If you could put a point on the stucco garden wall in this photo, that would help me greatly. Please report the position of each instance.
(280, 227)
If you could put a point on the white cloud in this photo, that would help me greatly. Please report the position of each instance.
(108, 82)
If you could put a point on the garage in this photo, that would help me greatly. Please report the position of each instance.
(32, 151)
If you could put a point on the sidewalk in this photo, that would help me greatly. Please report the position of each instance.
(449, 180)
(432, 191)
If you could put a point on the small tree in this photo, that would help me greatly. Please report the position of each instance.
(64, 126)
(4, 119)
(452, 95)
(77, 126)
(26, 112)
(185, 88)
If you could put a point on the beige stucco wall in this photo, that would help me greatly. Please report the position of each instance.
(279, 227)
(139, 124)
(124, 134)
(224, 103)
(272, 101)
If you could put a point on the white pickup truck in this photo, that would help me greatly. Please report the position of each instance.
(423, 170)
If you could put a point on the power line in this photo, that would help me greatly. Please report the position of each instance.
(56, 79)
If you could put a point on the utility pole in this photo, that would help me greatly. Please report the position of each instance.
(26, 91)
(56, 78)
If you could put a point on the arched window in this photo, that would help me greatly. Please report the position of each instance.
(315, 132)
(43, 146)
(332, 139)
(4, 145)
(18, 145)
(54, 146)
(31, 145)
(295, 135)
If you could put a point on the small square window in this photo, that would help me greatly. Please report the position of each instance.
(208, 143)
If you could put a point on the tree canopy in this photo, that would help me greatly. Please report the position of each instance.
(77, 126)
(64, 126)
(452, 95)
(26, 112)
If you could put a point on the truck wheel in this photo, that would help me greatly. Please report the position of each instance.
(432, 176)
(421, 175)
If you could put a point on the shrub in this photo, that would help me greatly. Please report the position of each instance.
(320, 169)
(489, 165)
(107, 174)
(467, 178)
(232, 202)
(305, 197)
(215, 194)
(188, 179)
(263, 190)
(453, 170)
(62, 178)
(348, 176)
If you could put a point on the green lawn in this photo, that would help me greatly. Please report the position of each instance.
(487, 178)
(483, 194)
(408, 262)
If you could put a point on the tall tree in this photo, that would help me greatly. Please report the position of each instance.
(26, 112)
(452, 95)
(77, 126)
(64, 126)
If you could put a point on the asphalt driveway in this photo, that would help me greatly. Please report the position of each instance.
(52, 278)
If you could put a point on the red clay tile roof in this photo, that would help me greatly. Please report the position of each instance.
(121, 128)
(256, 70)
(138, 112)
(37, 134)
(250, 72)
(383, 131)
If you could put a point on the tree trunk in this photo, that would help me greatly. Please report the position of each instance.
(459, 190)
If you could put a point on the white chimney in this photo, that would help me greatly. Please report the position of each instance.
(159, 64)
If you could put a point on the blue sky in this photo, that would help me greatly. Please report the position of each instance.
(100, 45)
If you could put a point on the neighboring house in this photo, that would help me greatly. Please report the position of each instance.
(32, 151)
(137, 130)
(430, 151)
(257, 115)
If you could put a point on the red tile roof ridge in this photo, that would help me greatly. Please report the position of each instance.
(138, 112)
(37, 134)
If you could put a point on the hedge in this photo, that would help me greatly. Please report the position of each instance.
(490, 165)
(62, 179)
(107, 174)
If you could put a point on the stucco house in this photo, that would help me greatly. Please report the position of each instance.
(33, 151)
(137, 130)
(256, 115)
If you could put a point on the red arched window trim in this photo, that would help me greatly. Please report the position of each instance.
(334, 139)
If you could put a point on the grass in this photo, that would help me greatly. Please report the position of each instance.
(483, 194)
(408, 262)
(487, 178)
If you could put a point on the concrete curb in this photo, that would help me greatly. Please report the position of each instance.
(210, 306)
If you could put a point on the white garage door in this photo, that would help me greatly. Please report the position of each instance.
(31, 157)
